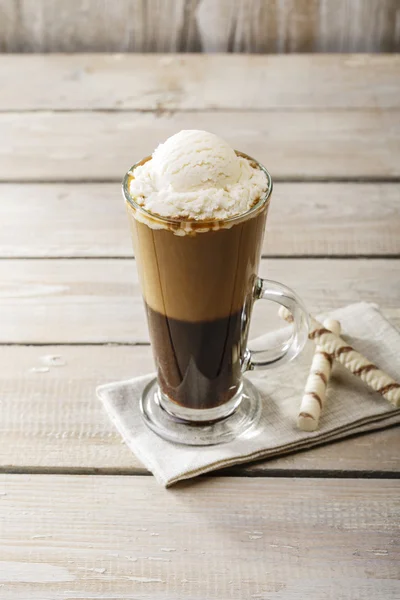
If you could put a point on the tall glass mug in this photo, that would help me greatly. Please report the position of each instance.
(199, 283)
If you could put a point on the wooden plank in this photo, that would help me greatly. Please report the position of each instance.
(374, 29)
(257, 26)
(313, 219)
(298, 25)
(193, 25)
(122, 537)
(52, 419)
(102, 146)
(99, 301)
(198, 82)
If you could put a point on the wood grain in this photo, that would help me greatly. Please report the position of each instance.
(199, 25)
(312, 219)
(122, 537)
(198, 82)
(52, 420)
(219, 537)
(102, 146)
(99, 301)
(375, 26)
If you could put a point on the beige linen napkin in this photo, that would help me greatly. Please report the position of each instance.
(351, 407)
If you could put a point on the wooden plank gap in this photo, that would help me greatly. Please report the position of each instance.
(276, 178)
(234, 471)
(173, 111)
(388, 256)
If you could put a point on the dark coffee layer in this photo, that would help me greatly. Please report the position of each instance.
(198, 363)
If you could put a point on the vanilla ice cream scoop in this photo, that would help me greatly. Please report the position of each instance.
(194, 160)
(197, 175)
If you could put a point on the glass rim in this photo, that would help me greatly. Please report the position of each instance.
(263, 201)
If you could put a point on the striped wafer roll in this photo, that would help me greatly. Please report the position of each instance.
(313, 400)
(355, 362)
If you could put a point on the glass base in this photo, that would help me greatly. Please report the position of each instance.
(192, 427)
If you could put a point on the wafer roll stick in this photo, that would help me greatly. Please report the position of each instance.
(355, 362)
(313, 401)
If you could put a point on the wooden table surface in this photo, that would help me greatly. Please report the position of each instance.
(80, 517)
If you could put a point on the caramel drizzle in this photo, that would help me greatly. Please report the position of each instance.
(365, 369)
(388, 388)
(322, 376)
(316, 397)
(343, 350)
(328, 357)
(306, 416)
(318, 333)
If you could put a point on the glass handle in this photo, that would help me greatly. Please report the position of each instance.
(265, 289)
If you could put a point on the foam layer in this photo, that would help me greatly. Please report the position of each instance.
(196, 175)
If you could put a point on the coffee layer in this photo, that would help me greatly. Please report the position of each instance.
(198, 278)
(198, 364)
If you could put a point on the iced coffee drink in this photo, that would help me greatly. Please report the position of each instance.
(197, 211)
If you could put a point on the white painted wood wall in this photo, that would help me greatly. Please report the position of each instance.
(254, 26)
